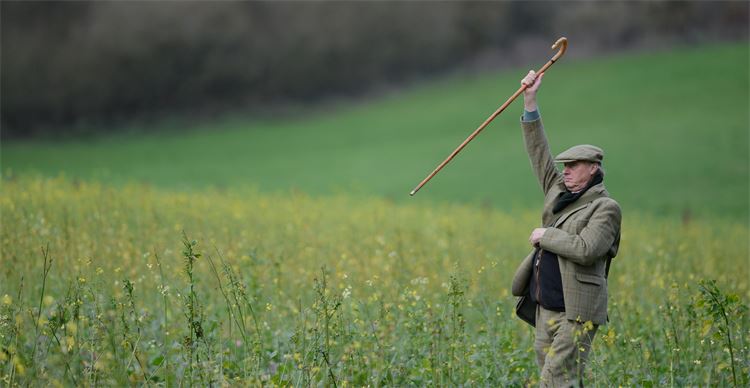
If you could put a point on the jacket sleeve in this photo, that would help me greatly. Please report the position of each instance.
(592, 242)
(537, 148)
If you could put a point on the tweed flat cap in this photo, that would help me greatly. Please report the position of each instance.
(585, 152)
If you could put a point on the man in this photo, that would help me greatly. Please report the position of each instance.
(566, 274)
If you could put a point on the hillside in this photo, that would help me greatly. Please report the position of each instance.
(674, 127)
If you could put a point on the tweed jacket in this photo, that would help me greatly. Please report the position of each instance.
(584, 236)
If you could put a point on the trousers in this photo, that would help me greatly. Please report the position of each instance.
(562, 347)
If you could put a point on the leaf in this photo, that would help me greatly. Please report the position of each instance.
(157, 360)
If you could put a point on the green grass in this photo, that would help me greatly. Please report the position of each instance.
(410, 295)
(342, 279)
(674, 126)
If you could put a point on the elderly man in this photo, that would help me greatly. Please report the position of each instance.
(565, 276)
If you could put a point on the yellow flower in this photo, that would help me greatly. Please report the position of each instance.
(68, 344)
(20, 368)
(7, 300)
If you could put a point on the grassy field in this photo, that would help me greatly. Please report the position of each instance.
(674, 127)
(286, 251)
(300, 290)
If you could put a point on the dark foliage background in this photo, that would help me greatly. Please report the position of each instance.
(73, 64)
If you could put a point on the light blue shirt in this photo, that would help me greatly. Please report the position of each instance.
(530, 116)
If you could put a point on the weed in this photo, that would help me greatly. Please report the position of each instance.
(337, 291)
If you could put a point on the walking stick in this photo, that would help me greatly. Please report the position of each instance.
(562, 45)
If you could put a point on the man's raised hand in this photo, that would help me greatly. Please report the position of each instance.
(529, 95)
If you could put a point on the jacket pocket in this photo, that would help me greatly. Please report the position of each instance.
(590, 279)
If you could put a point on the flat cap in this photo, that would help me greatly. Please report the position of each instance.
(585, 152)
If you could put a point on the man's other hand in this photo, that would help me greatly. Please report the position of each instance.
(536, 235)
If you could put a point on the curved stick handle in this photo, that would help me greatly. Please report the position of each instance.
(562, 45)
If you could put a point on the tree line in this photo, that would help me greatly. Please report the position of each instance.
(86, 63)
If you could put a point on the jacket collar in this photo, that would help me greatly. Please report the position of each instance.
(594, 192)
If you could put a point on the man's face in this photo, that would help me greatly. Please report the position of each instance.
(577, 174)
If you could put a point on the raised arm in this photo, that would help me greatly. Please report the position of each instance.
(534, 137)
